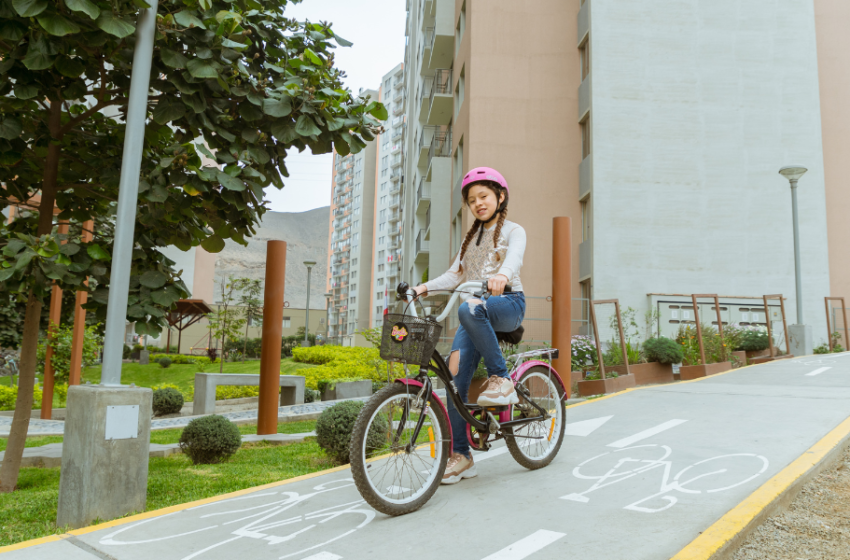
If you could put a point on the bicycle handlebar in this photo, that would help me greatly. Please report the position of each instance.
(405, 292)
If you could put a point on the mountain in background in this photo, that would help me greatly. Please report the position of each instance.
(306, 236)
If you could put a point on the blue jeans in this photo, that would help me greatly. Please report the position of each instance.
(476, 339)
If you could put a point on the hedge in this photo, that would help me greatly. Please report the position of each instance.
(336, 363)
(8, 396)
(180, 359)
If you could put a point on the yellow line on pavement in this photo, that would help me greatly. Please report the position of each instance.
(744, 514)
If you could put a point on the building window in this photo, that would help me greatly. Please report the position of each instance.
(357, 199)
(358, 173)
(353, 287)
(352, 299)
(383, 173)
(382, 215)
(382, 226)
(380, 281)
(356, 237)
(356, 224)
(461, 27)
(459, 90)
(384, 186)
(585, 303)
(383, 200)
(354, 274)
(585, 219)
(584, 53)
(353, 262)
(381, 255)
(380, 268)
(585, 137)
(458, 161)
(384, 161)
(287, 322)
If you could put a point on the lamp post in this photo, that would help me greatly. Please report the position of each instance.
(309, 265)
(328, 303)
(800, 334)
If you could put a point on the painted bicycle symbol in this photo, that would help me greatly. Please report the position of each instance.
(263, 516)
(708, 476)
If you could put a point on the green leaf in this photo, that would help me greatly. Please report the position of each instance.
(199, 68)
(158, 193)
(36, 60)
(213, 244)
(342, 42)
(6, 273)
(167, 111)
(250, 112)
(153, 279)
(10, 128)
(313, 57)
(13, 247)
(230, 183)
(29, 8)
(284, 132)
(188, 19)
(172, 58)
(84, 6)
(196, 102)
(25, 91)
(206, 4)
(225, 15)
(379, 112)
(306, 127)
(166, 297)
(227, 43)
(97, 253)
(250, 135)
(12, 30)
(71, 67)
(277, 107)
(114, 25)
(57, 25)
(204, 150)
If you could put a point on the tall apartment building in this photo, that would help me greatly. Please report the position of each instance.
(658, 127)
(350, 242)
(388, 200)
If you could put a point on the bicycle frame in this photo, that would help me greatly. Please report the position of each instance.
(488, 420)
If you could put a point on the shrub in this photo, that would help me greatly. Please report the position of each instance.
(334, 427)
(822, 348)
(8, 396)
(164, 362)
(92, 342)
(662, 350)
(754, 340)
(181, 359)
(167, 400)
(126, 353)
(311, 395)
(344, 363)
(210, 439)
(223, 392)
(583, 351)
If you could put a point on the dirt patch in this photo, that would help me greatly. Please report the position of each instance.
(817, 525)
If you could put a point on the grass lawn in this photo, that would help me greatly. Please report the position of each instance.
(183, 376)
(30, 512)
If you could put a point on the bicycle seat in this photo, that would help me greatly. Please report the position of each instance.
(513, 338)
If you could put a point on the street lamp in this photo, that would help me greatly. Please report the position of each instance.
(309, 265)
(328, 303)
(793, 174)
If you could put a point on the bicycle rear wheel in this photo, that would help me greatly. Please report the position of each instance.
(394, 474)
(535, 444)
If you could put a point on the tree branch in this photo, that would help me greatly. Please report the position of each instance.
(80, 118)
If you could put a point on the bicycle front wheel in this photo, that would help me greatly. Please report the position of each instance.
(394, 473)
(535, 444)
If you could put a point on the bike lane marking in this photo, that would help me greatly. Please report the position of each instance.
(324, 556)
(585, 427)
(818, 371)
(640, 436)
(524, 548)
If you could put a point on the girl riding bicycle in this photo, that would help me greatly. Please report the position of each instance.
(492, 250)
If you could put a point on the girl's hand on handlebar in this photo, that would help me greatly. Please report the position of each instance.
(496, 284)
(421, 289)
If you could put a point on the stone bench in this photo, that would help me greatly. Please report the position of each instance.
(291, 389)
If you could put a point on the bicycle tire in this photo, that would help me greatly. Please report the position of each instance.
(358, 452)
(514, 446)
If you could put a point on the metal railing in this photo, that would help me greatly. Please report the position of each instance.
(441, 84)
(424, 190)
(425, 91)
(441, 144)
(421, 243)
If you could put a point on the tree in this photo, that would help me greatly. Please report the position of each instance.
(250, 292)
(235, 84)
(226, 321)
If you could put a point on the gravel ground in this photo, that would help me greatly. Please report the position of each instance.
(816, 526)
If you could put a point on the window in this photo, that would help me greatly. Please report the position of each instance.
(353, 274)
(380, 268)
(353, 287)
(584, 53)
(585, 304)
(353, 262)
(358, 173)
(585, 219)
(378, 310)
(287, 322)
(383, 199)
(461, 27)
(384, 161)
(381, 255)
(355, 237)
(380, 281)
(382, 240)
(382, 226)
(384, 186)
(356, 211)
(585, 137)
(459, 89)
(355, 225)
(458, 161)
(383, 173)
(352, 299)
(357, 199)
(379, 295)
(382, 215)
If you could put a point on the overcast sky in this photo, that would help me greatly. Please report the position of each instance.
(376, 27)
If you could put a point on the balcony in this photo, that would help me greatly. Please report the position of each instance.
(441, 145)
(398, 108)
(424, 98)
(426, 134)
(395, 189)
(441, 101)
(421, 246)
(395, 201)
(425, 50)
(398, 134)
(393, 218)
(395, 174)
(397, 159)
(443, 38)
(423, 196)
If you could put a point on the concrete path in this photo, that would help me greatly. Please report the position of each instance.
(640, 475)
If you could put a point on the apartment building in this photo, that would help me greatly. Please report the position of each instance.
(659, 128)
(388, 200)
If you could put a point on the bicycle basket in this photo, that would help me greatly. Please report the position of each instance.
(409, 339)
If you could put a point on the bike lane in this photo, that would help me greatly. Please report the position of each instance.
(640, 475)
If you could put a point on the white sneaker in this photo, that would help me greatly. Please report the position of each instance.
(458, 467)
(499, 392)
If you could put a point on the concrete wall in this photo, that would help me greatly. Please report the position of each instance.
(695, 107)
(832, 20)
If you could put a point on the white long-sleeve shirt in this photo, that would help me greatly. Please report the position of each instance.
(481, 262)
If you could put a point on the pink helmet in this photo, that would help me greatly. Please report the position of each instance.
(484, 174)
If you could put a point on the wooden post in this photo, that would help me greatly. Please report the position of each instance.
(76, 371)
(616, 303)
(54, 319)
(833, 324)
(562, 295)
(699, 330)
(272, 334)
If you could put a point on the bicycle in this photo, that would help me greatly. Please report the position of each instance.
(402, 439)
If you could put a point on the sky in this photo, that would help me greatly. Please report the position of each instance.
(376, 27)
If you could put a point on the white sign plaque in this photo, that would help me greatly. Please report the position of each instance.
(122, 422)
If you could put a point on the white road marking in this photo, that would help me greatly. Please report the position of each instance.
(323, 556)
(817, 371)
(625, 442)
(527, 546)
(585, 427)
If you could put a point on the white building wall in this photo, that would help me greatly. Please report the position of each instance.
(695, 107)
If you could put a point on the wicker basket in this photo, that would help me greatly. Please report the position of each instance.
(408, 339)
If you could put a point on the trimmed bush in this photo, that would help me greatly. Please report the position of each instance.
(167, 401)
(754, 340)
(337, 363)
(210, 439)
(8, 396)
(662, 350)
(164, 362)
(181, 359)
(311, 395)
(334, 427)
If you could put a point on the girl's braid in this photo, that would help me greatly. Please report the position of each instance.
(469, 235)
(502, 215)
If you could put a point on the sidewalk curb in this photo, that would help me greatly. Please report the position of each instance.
(724, 536)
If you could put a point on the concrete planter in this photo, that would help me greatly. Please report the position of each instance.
(576, 376)
(742, 357)
(604, 386)
(647, 374)
(144, 358)
(767, 358)
(695, 372)
(756, 353)
(348, 390)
